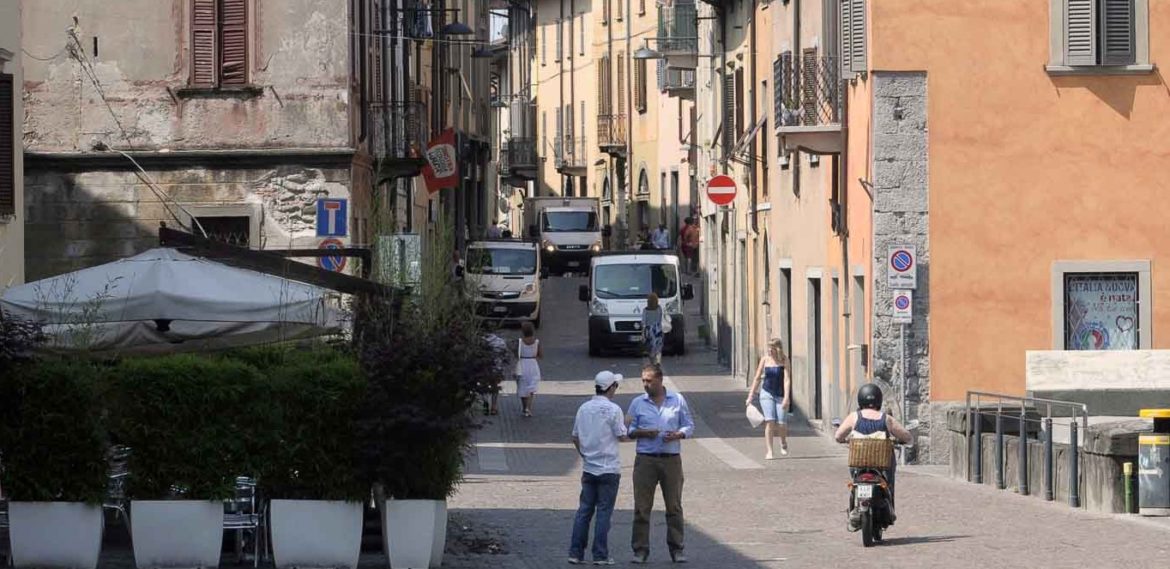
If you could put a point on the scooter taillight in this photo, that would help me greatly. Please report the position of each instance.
(865, 503)
(867, 477)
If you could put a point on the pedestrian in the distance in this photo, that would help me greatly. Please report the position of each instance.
(652, 332)
(597, 430)
(774, 374)
(658, 420)
(494, 231)
(661, 237)
(692, 238)
(529, 352)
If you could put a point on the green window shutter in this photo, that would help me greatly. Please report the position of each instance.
(1117, 32)
(846, 44)
(1080, 32)
(857, 36)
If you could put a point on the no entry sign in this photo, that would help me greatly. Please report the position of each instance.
(721, 190)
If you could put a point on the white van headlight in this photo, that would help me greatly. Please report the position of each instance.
(548, 246)
(598, 308)
(596, 248)
(529, 289)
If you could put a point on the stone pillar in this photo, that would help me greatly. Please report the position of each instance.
(901, 216)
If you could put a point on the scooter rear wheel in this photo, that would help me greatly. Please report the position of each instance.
(867, 529)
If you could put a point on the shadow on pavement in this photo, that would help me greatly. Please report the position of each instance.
(923, 539)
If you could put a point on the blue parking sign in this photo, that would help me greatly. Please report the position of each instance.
(332, 214)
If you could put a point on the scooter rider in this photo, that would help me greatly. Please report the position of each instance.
(870, 419)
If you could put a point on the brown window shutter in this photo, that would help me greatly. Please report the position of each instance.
(234, 42)
(7, 147)
(808, 86)
(621, 83)
(204, 28)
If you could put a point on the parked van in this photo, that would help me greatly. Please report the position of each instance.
(503, 277)
(619, 283)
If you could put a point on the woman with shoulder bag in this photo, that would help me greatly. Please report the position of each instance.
(774, 379)
(527, 368)
(653, 322)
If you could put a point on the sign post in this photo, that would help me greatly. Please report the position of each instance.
(902, 267)
(721, 190)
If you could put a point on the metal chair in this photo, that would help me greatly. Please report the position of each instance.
(244, 514)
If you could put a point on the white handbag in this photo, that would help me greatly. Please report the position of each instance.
(754, 416)
(666, 323)
(516, 373)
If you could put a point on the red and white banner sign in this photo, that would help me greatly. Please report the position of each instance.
(721, 190)
(442, 169)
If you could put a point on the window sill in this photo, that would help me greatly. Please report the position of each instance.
(1067, 70)
(6, 218)
(227, 92)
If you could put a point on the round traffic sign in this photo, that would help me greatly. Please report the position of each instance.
(336, 263)
(721, 190)
(901, 260)
(901, 302)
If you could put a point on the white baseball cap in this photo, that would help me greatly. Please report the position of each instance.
(606, 378)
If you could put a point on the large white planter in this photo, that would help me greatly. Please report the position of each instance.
(440, 541)
(316, 533)
(176, 534)
(55, 534)
(409, 528)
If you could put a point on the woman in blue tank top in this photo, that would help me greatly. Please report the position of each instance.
(774, 382)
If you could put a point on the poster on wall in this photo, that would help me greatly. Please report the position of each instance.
(1101, 312)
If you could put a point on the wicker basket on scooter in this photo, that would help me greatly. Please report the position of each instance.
(870, 453)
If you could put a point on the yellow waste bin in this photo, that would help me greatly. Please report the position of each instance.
(1154, 465)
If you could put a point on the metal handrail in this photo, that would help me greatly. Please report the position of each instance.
(973, 431)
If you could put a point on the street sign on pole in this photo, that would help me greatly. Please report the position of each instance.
(902, 267)
(721, 190)
(336, 263)
(903, 307)
(332, 217)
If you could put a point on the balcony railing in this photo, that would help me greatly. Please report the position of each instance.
(678, 29)
(521, 155)
(504, 165)
(570, 153)
(809, 104)
(675, 81)
(400, 137)
(611, 131)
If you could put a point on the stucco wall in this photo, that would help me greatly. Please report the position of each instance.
(12, 228)
(299, 57)
(1025, 169)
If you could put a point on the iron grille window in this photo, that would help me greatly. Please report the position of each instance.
(7, 146)
(1101, 311)
(219, 42)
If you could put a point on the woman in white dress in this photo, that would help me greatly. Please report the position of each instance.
(529, 352)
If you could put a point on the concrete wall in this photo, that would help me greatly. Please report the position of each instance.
(1117, 383)
(12, 233)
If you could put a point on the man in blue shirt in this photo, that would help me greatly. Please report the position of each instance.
(658, 421)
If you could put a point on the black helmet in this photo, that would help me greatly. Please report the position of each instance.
(869, 396)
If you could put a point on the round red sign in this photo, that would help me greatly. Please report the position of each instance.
(721, 190)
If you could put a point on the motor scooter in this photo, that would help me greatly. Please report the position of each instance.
(871, 505)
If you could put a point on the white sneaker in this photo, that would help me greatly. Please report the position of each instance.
(575, 561)
(609, 561)
(783, 451)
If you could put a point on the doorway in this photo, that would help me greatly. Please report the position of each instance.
(815, 347)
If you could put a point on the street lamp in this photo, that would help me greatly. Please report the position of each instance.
(457, 29)
(645, 52)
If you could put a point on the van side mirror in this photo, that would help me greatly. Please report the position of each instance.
(544, 272)
(607, 230)
(583, 293)
(532, 231)
(688, 292)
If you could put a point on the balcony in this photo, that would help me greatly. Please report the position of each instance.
(678, 34)
(519, 154)
(571, 156)
(810, 108)
(676, 82)
(611, 133)
(400, 138)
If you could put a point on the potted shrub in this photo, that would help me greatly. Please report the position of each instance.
(193, 425)
(54, 470)
(425, 360)
(311, 477)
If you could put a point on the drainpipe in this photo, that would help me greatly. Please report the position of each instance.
(843, 168)
(629, 95)
(560, 133)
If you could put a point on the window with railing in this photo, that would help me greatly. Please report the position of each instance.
(678, 28)
(808, 94)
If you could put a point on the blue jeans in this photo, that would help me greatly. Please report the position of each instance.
(598, 492)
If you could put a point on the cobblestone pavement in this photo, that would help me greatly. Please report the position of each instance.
(517, 503)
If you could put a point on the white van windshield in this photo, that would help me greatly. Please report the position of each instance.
(569, 221)
(501, 261)
(635, 281)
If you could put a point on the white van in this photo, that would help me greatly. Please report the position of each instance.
(503, 277)
(618, 286)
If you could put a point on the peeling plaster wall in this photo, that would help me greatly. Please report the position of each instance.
(298, 57)
(78, 220)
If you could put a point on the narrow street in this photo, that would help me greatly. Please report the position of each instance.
(516, 506)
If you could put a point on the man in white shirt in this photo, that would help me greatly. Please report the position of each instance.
(598, 429)
(660, 238)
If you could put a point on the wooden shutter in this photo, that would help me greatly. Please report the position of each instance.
(640, 85)
(604, 11)
(234, 42)
(728, 115)
(621, 83)
(1080, 32)
(7, 146)
(560, 40)
(661, 74)
(739, 93)
(777, 92)
(808, 86)
(543, 45)
(1117, 32)
(602, 86)
(581, 41)
(204, 31)
(618, 3)
(857, 19)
